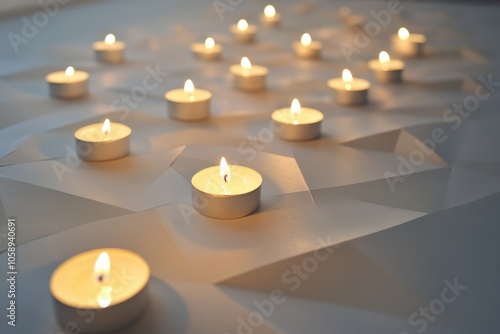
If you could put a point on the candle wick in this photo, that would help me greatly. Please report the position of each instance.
(226, 178)
(100, 278)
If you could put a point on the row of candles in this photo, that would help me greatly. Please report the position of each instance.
(228, 191)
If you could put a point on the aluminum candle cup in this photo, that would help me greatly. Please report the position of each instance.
(409, 45)
(113, 288)
(297, 123)
(307, 48)
(243, 32)
(248, 77)
(237, 198)
(349, 90)
(270, 17)
(208, 50)
(103, 141)
(109, 51)
(188, 104)
(69, 84)
(387, 70)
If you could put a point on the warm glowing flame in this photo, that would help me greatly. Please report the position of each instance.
(69, 71)
(384, 58)
(242, 25)
(270, 11)
(306, 39)
(246, 64)
(189, 87)
(347, 78)
(209, 43)
(110, 39)
(106, 127)
(403, 34)
(225, 173)
(295, 109)
(102, 268)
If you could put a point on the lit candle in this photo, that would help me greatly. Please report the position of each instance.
(270, 17)
(110, 50)
(307, 48)
(208, 50)
(226, 191)
(103, 141)
(297, 123)
(355, 22)
(243, 32)
(349, 90)
(111, 283)
(387, 70)
(188, 104)
(68, 84)
(249, 77)
(345, 11)
(409, 45)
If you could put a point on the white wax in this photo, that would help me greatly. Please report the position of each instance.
(75, 288)
(202, 52)
(188, 106)
(109, 53)
(312, 50)
(244, 36)
(354, 93)
(253, 79)
(411, 47)
(388, 72)
(67, 87)
(215, 198)
(271, 21)
(304, 126)
(93, 145)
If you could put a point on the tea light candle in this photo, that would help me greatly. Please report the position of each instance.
(307, 48)
(297, 123)
(110, 283)
(387, 70)
(188, 104)
(69, 84)
(103, 141)
(226, 191)
(355, 22)
(349, 90)
(409, 45)
(208, 50)
(243, 32)
(110, 50)
(249, 77)
(270, 17)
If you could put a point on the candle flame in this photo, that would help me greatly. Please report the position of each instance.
(245, 63)
(403, 33)
(295, 110)
(270, 11)
(102, 269)
(106, 127)
(225, 173)
(384, 58)
(189, 87)
(209, 43)
(347, 78)
(69, 71)
(306, 39)
(110, 39)
(242, 25)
